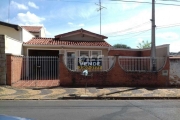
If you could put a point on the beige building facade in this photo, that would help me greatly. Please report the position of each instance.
(15, 35)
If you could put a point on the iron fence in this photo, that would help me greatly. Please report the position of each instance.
(38, 67)
(140, 64)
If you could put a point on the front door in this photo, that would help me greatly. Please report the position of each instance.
(71, 60)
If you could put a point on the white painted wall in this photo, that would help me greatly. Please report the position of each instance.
(174, 72)
(38, 34)
(11, 32)
(43, 33)
(79, 37)
(26, 36)
(13, 46)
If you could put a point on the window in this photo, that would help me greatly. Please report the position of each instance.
(84, 53)
(91, 53)
(36, 35)
(95, 53)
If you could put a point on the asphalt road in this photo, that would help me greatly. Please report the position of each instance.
(93, 110)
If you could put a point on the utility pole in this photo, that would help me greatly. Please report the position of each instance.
(100, 14)
(9, 11)
(153, 46)
(100, 8)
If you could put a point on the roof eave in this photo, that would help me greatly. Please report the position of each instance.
(16, 27)
(71, 46)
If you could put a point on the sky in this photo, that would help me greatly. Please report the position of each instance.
(121, 21)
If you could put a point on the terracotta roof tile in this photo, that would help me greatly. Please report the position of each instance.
(54, 41)
(32, 28)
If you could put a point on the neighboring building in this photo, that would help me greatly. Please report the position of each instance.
(37, 31)
(171, 54)
(14, 36)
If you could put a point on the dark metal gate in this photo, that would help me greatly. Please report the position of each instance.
(40, 68)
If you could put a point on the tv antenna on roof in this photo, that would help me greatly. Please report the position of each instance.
(99, 9)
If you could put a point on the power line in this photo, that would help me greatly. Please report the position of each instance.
(135, 35)
(169, 0)
(145, 2)
(168, 26)
(159, 27)
(116, 1)
(138, 33)
(130, 33)
(128, 29)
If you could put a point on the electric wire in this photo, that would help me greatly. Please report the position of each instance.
(135, 34)
(105, 2)
(169, 0)
(158, 27)
(146, 2)
(131, 28)
(129, 33)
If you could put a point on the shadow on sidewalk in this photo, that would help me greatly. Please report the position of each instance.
(136, 88)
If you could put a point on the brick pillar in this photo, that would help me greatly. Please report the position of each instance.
(65, 74)
(116, 73)
(9, 69)
(2, 60)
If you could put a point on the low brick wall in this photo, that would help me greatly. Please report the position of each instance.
(124, 53)
(2, 60)
(14, 68)
(114, 77)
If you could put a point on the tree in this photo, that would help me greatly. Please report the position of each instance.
(121, 46)
(144, 44)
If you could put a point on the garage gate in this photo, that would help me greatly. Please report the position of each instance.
(40, 65)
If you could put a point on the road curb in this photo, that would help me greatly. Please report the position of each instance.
(104, 98)
(119, 98)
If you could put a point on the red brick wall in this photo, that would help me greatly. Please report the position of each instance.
(124, 53)
(144, 53)
(114, 77)
(14, 67)
(9, 74)
(65, 74)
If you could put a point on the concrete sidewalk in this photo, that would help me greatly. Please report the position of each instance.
(12, 93)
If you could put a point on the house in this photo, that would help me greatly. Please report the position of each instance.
(15, 35)
(73, 43)
(12, 37)
(65, 56)
(37, 31)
